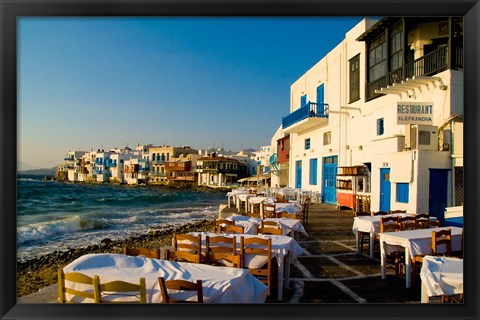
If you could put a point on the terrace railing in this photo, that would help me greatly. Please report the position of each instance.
(310, 110)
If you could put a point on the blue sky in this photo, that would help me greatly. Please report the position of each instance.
(197, 81)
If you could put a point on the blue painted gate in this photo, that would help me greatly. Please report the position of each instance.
(329, 177)
(385, 189)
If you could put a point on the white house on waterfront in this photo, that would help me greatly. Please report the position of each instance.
(387, 100)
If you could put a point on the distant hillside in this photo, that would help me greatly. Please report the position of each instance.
(40, 172)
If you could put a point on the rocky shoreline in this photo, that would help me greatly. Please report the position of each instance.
(38, 273)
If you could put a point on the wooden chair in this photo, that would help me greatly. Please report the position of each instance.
(280, 198)
(221, 224)
(304, 212)
(429, 224)
(391, 224)
(186, 248)
(123, 290)
(224, 259)
(397, 211)
(180, 285)
(439, 238)
(284, 214)
(234, 230)
(442, 238)
(408, 223)
(220, 244)
(255, 209)
(92, 293)
(271, 231)
(269, 210)
(379, 213)
(257, 258)
(155, 254)
(422, 217)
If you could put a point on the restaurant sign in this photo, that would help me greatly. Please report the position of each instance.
(415, 113)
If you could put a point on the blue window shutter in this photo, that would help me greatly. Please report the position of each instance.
(402, 192)
(321, 99)
(303, 100)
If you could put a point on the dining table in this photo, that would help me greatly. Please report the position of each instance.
(219, 284)
(251, 224)
(414, 242)
(284, 249)
(441, 276)
(371, 225)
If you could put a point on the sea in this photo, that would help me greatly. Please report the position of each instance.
(55, 216)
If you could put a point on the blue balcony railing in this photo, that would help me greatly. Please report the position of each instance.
(110, 163)
(310, 110)
(273, 159)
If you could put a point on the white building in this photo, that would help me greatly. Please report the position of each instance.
(388, 97)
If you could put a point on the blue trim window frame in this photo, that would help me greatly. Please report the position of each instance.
(380, 127)
(313, 172)
(402, 192)
(307, 143)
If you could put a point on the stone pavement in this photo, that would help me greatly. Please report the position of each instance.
(330, 271)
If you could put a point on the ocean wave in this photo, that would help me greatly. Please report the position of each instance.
(53, 229)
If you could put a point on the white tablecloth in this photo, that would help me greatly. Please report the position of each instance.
(415, 242)
(250, 224)
(220, 284)
(289, 207)
(441, 276)
(283, 247)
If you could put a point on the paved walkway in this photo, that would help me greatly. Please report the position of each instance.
(330, 271)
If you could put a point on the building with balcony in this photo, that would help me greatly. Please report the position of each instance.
(280, 159)
(388, 97)
(214, 171)
(73, 165)
(160, 155)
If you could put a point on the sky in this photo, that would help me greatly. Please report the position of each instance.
(90, 83)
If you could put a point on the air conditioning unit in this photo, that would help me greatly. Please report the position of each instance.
(421, 137)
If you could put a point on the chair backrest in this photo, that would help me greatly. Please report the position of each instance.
(155, 254)
(255, 208)
(234, 230)
(429, 224)
(270, 230)
(280, 198)
(92, 292)
(284, 214)
(269, 210)
(389, 224)
(225, 259)
(408, 223)
(220, 244)
(379, 213)
(221, 224)
(421, 217)
(257, 258)
(442, 238)
(126, 292)
(180, 285)
(397, 211)
(186, 248)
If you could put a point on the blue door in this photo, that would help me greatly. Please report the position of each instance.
(385, 189)
(329, 176)
(298, 175)
(438, 194)
(320, 99)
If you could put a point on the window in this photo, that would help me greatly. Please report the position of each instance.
(303, 100)
(380, 128)
(377, 58)
(313, 172)
(402, 192)
(307, 143)
(327, 138)
(355, 78)
(396, 47)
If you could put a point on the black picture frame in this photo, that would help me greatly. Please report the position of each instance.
(10, 10)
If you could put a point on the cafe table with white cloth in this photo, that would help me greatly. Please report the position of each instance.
(232, 195)
(415, 242)
(219, 284)
(441, 276)
(371, 224)
(259, 200)
(284, 248)
(251, 224)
